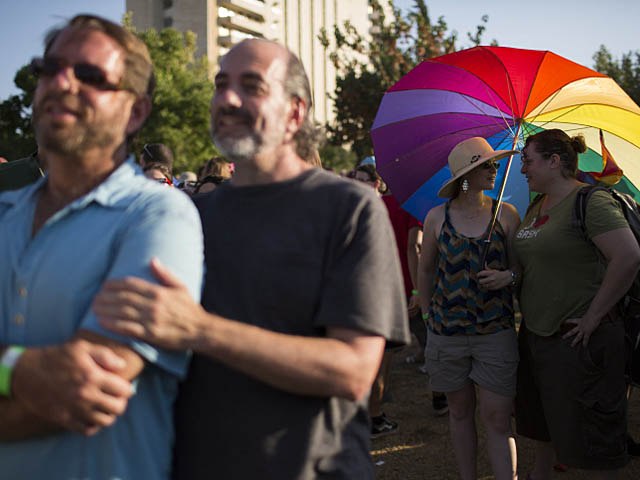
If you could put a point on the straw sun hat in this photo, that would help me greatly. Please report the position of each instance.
(466, 156)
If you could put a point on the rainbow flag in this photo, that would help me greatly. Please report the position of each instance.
(611, 173)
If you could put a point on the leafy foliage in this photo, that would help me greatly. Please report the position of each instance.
(368, 66)
(625, 72)
(180, 114)
(16, 135)
(337, 158)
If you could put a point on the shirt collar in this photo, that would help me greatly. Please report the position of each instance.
(109, 193)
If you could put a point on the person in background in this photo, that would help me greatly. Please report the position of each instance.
(158, 172)
(380, 423)
(216, 167)
(571, 384)
(22, 172)
(157, 153)
(471, 349)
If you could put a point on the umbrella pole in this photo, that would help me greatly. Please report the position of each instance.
(494, 216)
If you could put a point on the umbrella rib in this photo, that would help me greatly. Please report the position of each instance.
(549, 99)
(467, 98)
(511, 99)
(559, 116)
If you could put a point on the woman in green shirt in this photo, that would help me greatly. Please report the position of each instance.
(571, 387)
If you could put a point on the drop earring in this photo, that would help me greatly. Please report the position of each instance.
(465, 185)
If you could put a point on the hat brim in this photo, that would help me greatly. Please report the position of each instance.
(449, 189)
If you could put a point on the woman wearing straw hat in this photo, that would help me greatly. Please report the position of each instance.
(472, 340)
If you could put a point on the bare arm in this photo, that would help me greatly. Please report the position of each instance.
(621, 250)
(413, 259)
(81, 385)
(344, 363)
(495, 279)
(427, 267)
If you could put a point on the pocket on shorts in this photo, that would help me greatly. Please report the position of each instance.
(431, 356)
(604, 428)
(594, 356)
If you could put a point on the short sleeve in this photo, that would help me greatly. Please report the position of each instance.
(167, 228)
(603, 214)
(363, 287)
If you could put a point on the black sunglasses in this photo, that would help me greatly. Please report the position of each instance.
(488, 165)
(85, 72)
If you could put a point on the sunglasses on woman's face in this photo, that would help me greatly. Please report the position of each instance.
(85, 72)
(489, 165)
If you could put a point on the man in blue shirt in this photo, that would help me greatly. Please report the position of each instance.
(75, 400)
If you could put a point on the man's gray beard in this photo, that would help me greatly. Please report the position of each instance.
(235, 149)
(74, 141)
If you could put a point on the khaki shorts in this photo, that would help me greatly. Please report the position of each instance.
(575, 397)
(491, 361)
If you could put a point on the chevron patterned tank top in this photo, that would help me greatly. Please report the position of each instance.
(458, 305)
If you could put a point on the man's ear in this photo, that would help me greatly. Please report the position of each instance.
(140, 110)
(296, 116)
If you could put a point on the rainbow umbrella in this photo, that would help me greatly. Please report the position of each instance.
(504, 95)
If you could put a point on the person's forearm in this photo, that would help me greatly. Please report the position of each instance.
(301, 365)
(20, 424)
(76, 385)
(413, 261)
(425, 288)
(413, 254)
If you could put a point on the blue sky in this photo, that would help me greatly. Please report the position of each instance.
(574, 29)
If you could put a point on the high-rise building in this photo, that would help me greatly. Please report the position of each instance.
(220, 24)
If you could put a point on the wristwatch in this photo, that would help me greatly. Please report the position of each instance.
(8, 361)
(513, 278)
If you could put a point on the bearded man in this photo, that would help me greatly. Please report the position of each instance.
(76, 401)
(300, 294)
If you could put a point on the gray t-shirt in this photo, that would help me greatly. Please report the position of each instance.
(294, 257)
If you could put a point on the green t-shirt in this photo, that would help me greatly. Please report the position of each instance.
(562, 272)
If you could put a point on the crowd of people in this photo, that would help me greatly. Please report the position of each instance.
(246, 329)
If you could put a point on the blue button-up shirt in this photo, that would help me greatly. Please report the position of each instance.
(47, 283)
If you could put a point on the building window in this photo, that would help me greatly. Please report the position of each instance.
(167, 4)
(168, 21)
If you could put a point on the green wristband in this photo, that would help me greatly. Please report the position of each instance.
(7, 362)
(414, 292)
(425, 316)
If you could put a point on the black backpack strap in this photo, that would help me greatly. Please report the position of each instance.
(580, 206)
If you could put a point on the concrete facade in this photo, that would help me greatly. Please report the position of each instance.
(220, 24)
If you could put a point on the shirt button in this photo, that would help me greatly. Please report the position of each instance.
(18, 319)
(22, 291)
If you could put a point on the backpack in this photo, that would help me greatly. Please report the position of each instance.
(630, 302)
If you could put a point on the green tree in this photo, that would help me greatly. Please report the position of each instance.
(179, 117)
(16, 134)
(625, 72)
(367, 67)
(180, 114)
(337, 158)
